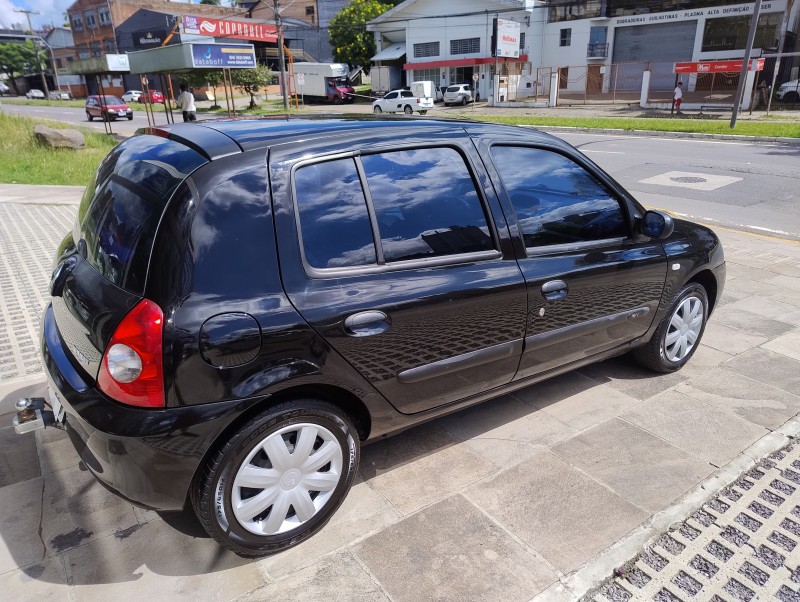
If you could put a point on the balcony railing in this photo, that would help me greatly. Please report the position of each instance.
(596, 51)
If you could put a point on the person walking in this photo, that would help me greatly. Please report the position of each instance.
(185, 102)
(678, 97)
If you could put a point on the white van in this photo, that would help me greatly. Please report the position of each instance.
(427, 89)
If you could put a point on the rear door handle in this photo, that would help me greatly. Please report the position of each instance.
(555, 290)
(366, 323)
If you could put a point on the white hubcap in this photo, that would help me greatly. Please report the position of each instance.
(684, 328)
(286, 479)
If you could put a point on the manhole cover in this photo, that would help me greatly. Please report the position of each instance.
(689, 180)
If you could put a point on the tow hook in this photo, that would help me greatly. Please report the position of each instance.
(31, 415)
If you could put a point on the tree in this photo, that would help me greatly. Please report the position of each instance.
(17, 59)
(204, 78)
(351, 42)
(211, 2)
(250, 80)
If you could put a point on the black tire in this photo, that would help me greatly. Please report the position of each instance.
(377, 110)
(130, 117)
(89, 116)
(655, 354)
(463, 101)
(213, 492)
(791, 97)
(423, 112)
(408, 110)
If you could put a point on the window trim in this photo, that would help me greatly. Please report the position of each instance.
(393, 266)
(539, 251)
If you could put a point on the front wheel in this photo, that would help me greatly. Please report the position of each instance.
(377, 110)
(130, 117)
(679, 332)
(408, 110)
(279, 479)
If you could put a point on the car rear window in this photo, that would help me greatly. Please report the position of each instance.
(454, 89)
(123, 203)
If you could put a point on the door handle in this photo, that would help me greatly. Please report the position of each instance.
(366, 323)
(554, 290)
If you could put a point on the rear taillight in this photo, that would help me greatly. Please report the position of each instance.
(132, 369)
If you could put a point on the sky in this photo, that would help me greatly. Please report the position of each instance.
(52, 12)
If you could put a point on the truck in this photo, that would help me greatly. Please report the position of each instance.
(324, 82)
(427, 89)
(384, 79)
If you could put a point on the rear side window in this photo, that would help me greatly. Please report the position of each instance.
(123, 203)
(556, 200)
(426, 204)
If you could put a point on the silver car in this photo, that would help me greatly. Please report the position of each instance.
(789, 91)
(460, 94)
(34, 93)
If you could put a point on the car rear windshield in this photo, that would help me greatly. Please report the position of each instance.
(123, 203)
(454, 89)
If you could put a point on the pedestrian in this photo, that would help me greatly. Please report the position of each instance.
(186, 103)
(678, 97)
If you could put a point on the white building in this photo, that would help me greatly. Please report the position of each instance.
(592, 44)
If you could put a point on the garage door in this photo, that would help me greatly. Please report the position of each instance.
(660, 45)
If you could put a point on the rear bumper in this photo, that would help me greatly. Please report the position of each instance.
(149, 457)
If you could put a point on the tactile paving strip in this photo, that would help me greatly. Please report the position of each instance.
(742, 545)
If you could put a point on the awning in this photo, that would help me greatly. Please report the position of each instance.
(391, 53)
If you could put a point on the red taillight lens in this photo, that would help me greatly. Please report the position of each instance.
(132, 370)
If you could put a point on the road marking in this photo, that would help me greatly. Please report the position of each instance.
(687, 179)
(604, 152)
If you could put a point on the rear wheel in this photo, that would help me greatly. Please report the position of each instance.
(463, 101)
(408, 110)
(377, 110)
(279, 479)
(423, 112)
(678, 335)
(89, 116)
(791, 97)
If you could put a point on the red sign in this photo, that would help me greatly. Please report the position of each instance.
(222, 28)
(718, 66)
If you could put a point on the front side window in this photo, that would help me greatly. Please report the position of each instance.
(334, 220)
(556, 200)
(426, 204)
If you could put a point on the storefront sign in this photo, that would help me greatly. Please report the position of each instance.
(227, 56)
(718, 66)
(117, 62)
(507, 39)
(222, 28)
(149, 39)
(687, 15)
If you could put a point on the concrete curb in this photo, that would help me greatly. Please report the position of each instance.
(575, 585)
(676, 135)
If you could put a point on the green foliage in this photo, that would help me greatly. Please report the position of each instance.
(16, 60)
(250, 80)
(351, 42)
(211, 2)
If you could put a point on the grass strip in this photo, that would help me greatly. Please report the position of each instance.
(23, 160)
(698, 126)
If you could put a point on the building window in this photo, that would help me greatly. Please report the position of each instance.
(468, 46)
(568, 10)
(83, 51)
(522, 40)
(97, 48)
(110, 46)
(566, 37)
(104, 16)
(730, 33)
(426, 49)
(59, 64)
(461, 75)
(91, 20)
(309, 11)
(427, 75)
(77, 23)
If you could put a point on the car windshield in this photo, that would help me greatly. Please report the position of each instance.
(111, 100)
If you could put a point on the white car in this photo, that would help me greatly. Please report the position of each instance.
(402, 101)
(789, 92)
(34, 93)
(59, 95)
(4, 89)
(460, 94)
(132, 96)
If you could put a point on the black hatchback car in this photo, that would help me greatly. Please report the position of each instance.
(242, 304)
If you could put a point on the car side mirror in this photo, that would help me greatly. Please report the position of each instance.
(656, 224)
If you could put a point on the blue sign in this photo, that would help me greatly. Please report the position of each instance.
(224, 56)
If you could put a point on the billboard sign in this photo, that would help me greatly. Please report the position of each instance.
(223, 28)
(224, 56)
(507, 39)
(718, 66)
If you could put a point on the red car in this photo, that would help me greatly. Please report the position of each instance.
(107, 108)
(155, 96)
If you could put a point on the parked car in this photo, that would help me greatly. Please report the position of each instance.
(33, 93)
(459, 94)
(59, 95)
(789, 91)
(107, 108)
(242, 304)
(4, 89)
(132, 96)
(155, 96)
(402, 101)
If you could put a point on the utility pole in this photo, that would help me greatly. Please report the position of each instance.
(281, 58)
(751, 36)
(28, 14)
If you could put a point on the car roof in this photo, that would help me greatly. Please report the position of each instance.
(219, 138)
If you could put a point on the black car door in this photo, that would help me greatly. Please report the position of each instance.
(394, 253)
(591, 286)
